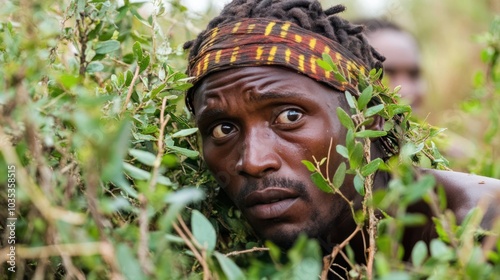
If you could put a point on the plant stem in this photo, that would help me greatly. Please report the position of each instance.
(372, 219)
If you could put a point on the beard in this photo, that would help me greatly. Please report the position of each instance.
(317, 226)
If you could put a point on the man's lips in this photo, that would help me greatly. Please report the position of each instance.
(269, 203)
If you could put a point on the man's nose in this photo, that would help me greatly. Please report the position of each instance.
(258, 154)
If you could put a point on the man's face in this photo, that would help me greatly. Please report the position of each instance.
(402, 64)
(257, 124)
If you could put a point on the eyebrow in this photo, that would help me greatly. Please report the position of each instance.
(209, 114)
(270, 95)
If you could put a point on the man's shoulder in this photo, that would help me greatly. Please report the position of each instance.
(459, 179)
(465, 191)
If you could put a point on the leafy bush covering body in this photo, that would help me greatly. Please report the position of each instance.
(108, 180)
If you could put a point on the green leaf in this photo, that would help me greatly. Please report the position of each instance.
(183, 86)
(107, 47)
(203, 231)
(356, 156)
(144, 63)
(157, 89)
(144, 157)
(441, 251)
(321, 183)
(94, 66)
(231, 270)
(163, 180)
(185, 196)
(128, 77)
(419, 253)
(370, 133)
(419, 189)
(323, 64)
(123, 184)
(274, 251)
(137, 49)
(350, 100)
(118, 146)
(309, 165)
(338, 178)
(129, 265)
(359, 184)
(344, 118)
(342, 151)
(185, 152)
(412, 220)
(365, 97)
(327, 58)
(184, 132)
(135, 172)
(371, 167)
(339, 77)
(374, 110)
(349, 139)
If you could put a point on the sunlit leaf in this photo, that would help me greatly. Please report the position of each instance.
(129, 265)
(419, 253)
(185, 132)
(203, 231)
(338, 178)
(365, 97)
(373, 110)
(320, 182)
(144, 63)
(135, 172)
(107, 46)
(185, 196)
(144, 157)
(359, 184)
(350, 100)
(344, 118)
(231, 270)
(370, 133)
(185, 152)
(371, 167)
(137, 49)
(310, 166)
(94, 66)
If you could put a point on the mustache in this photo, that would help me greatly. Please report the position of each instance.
(285, 183)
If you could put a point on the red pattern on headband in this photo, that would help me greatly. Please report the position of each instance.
(258, 41)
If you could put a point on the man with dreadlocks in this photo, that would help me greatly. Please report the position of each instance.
(262, 104)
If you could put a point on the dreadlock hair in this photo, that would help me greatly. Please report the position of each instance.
(307, 14)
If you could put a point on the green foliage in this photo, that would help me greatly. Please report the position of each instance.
(109, 174)
(485, 98)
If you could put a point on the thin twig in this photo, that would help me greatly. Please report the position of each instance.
(254, 249)
(328, 260)
(131, 88)
(328, 160)
(206, 270)
(78, 249)
(143, 248)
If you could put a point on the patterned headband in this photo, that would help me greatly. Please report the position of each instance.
(258, 41)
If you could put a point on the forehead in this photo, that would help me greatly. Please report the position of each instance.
(247, 86)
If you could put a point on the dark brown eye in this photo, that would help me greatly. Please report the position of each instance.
(288, 116)
(222, 130)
